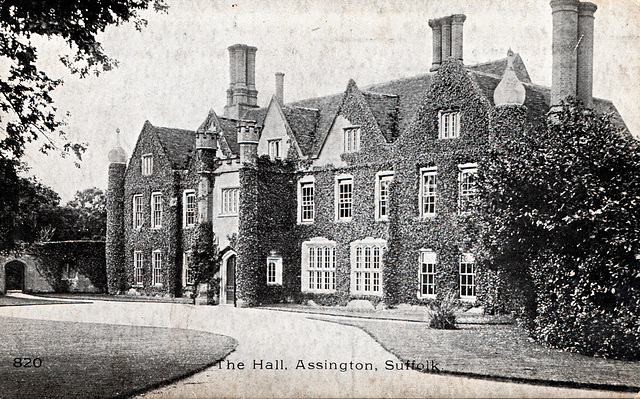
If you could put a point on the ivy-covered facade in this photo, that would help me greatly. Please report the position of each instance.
(362, 195)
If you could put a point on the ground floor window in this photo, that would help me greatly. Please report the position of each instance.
(467, 277)
(366, 266)
(156, 264)
(137, 268)
(188, 277)
(428, 260)
(319, 265)
(274, 270)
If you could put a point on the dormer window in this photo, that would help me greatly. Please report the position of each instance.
(351, 139)
(147, 165)
(275, 149)
(449, 124)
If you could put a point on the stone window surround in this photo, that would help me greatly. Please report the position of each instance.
(156, 213)
(308, 181)
(146, 168)
(186, 196)
(386, 175)
(448, 124)
(137, 205)
(426, 194)
(274, 270)
(427, 257)
(347, 202)
(350, 139)
(156, 267)
(312, 271)
(358, 260)
(467, 277)
(229, 206)
(138, 269)
(466, 188)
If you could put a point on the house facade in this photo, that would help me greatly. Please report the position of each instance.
(362, 195)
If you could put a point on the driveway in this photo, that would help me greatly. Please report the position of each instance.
(275, 351)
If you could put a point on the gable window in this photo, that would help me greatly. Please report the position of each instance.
(230, 199)
(274, 270)
(275, 148)
(138, 215)
(188, 276)
(137, 268)
(189, 208)
(306, 200)
(383, 180)
(428, 184)
(156, 265)
(351, 139)
(344, 198)
(449, 122)
(467, 277)
(467, 186)
(366, 266)
(147, 165)
(156, 210)
(319, 265)
(428, 260)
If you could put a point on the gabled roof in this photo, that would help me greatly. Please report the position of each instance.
(303, 123)
(385, 111)
(497, 68)
(178, 144)
(227, 132)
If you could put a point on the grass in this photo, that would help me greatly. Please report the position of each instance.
(13, 301)
(498, 352)
(100, 360)
(120, 298)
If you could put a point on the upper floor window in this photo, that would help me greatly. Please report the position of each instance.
(306, 200)
(467, 186)
(344, 198)
(147, 164)
(274, 270)
(428, 261)
(156, 265)
(366, 266)
(428, 184)
(449, 124)
(189, 208)
(383, 180)
(137, 268)
(188, 275)
(156, 210)
(230, 200)
(138, 212)
(467, 277)
(275, 148)
(351, 139)
(319, 265)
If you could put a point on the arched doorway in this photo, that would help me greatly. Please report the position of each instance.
(14, 276)
(228, 280)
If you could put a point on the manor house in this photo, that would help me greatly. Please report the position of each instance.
(361, 195)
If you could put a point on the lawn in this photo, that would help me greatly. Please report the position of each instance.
(497, 351)
(99, 360)
(13, 301)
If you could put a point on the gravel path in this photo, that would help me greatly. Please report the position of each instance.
(286, 339)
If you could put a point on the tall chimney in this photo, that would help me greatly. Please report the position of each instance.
(242, 93)
(584, 89)
(565, 40)
(252, 93)
(280, 87)
(457, 21)
(436, 33)
(446, 38)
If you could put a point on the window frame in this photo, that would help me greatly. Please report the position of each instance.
(137, 201)
(448, 124)
(138, 269)
(337, 199)
(274, 144)
(234, 209)
(351, 139)
(146, 168)
(186, 195)
(306, 181)
(186, 268)
(467, 259)
(157, 214)
(432, 256)
(363, 275)
(386, 176)
(428, 172)
(156, 268)
(274, 278)
(466, 196)
(319, 276)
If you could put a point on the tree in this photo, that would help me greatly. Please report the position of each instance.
(560, 207)
(27, 111)
(91, 214)
(204, 261)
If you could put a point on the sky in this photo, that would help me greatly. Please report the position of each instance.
(177, 68)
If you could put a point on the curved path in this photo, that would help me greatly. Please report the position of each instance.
(287, 338)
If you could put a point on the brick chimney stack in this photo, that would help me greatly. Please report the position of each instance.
(280, 87)
(572, 72)
(242, 93)
(447, 39)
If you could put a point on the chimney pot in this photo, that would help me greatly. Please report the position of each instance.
(565, 39)
(280, 87)
(584, 89)
(436, 33)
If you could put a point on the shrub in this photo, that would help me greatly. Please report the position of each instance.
(442, 313)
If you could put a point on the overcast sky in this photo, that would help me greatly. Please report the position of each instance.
(176, 69)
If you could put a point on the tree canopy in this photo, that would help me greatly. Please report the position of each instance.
(561, 205)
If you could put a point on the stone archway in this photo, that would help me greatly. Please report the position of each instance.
(14, 273)
(228, 279)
